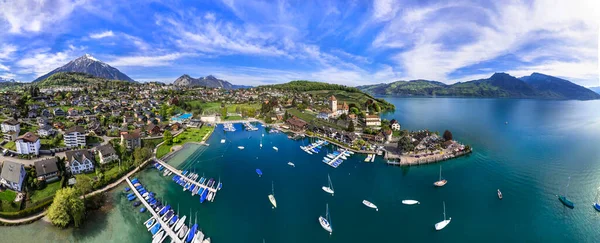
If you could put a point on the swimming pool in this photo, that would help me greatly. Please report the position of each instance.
(182, 117)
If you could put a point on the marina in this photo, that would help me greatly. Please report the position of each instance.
(336, 158)
(249, 127)
(314, 147)
(206, 188)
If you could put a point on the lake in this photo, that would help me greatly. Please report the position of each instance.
(530, 159)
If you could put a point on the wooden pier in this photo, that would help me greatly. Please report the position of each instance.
(179, 173)
(164, 225)
(330, 163)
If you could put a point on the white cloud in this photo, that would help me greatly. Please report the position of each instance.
(40, 62)
(35, 15)
(4, 68)
(101, 35)
(384, 9)
(6, 51)
(146, 61)
(564, 32)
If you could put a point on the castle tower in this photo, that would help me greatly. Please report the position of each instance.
(333, 104)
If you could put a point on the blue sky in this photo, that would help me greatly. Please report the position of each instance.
(345, 42)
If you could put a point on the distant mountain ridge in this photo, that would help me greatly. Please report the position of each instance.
(536, 85)
(595, 89)
(89, 65)
(208, 81)
(5, 80)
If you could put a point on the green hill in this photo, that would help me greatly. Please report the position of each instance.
(341, 92)
(498, 85)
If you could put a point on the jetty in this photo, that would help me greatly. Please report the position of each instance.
(183, 177)
(249, 127)
(164, 226)
(313, 147)
(337, 159)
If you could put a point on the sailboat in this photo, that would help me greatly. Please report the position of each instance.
(564, 200)
(326, 221)
(410, 202)
(276, 149)
(272, 196)
(443, 223)
(499, 194)
(597, 203)
(291, 164)
(370, 204)
(329, 187)
(441, 182)
(261, 142)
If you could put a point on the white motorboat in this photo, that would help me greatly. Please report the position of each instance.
(222, 140)
(199, 237)
(329, 187)
(207, 240)
(441, 182)
(276, 149)
(241, 147)
(326, 221)
(443, 223)
(370, 204)
(150, 222)
(158, 237)
(499, 194)
(291, 164)
(272, 196)
(410, 202)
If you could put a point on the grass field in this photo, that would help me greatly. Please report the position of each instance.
(215, 107)
(10, 145)
(189, 135)
(50, 190)
(312, 118)
(8, 196)
(233, 118)
(359, 99)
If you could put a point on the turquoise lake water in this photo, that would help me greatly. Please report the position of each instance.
(530, 159)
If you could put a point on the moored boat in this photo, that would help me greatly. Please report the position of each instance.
(291, 164)
(240, 147)
(259, 172)
(326, 221)
(410, 202)
(441, 182)
(443, 223)
(275, 148)
(563, 198)
(499, 194)
(272, 196)
(370, 204)
(329, 187)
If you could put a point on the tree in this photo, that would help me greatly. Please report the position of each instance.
(168, 137)
(83, 184)
(66, 208)
(447, 135)
(140, 155)
(351, 126)
(404, 144)
(343, 116)
(223, 112)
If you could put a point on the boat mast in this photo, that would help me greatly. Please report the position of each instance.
(330, 184)
(444, 203)
(567, 189)
(272, 188)
(440, 172)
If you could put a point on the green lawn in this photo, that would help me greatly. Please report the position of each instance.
(10, 145)
(311, 117)
(66, 108)
(189, 135)
(50, 190)
(233, 118)
(28, 128)
(8, 196)
(46, 143)
(215, 107)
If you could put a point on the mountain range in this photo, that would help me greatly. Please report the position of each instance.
(595, 89)
(536, 85)
(89, 65)
(208, 81)
(5, 80)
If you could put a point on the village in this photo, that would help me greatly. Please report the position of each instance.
(54, 136)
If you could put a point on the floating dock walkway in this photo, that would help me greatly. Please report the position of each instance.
(179, 173)
(310, 147)
(338, 157)
(164, 226)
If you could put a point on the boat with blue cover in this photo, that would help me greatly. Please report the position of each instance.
(219, 186)
(131, 198)
(127, 189)
(150, 222)
(173, 220)
(203, 196)
(143, 209)
(137, 203)
(155, 228)
(259, 172)
(192, 233)
(164, 210)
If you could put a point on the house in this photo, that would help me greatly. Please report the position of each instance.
(72, 112)
(176, 126)
(372, 121)
(153, 129)
(333, 104)
(387, 134)
(47, 169)
(13, 175)
(59, 125)
(10, 129)
(107, 154)
(80, 161)
(131, 140)
(75, 137)
(394, 125)
(324, 114)
(296, 124)
(28, 143)
(46, 131)
(59, 112)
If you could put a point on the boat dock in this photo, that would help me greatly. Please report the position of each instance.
(311, 147)
(179, 173)
(249, 127)
(164, 226)
(338, 159)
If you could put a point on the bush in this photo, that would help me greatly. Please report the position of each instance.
(38, 207)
